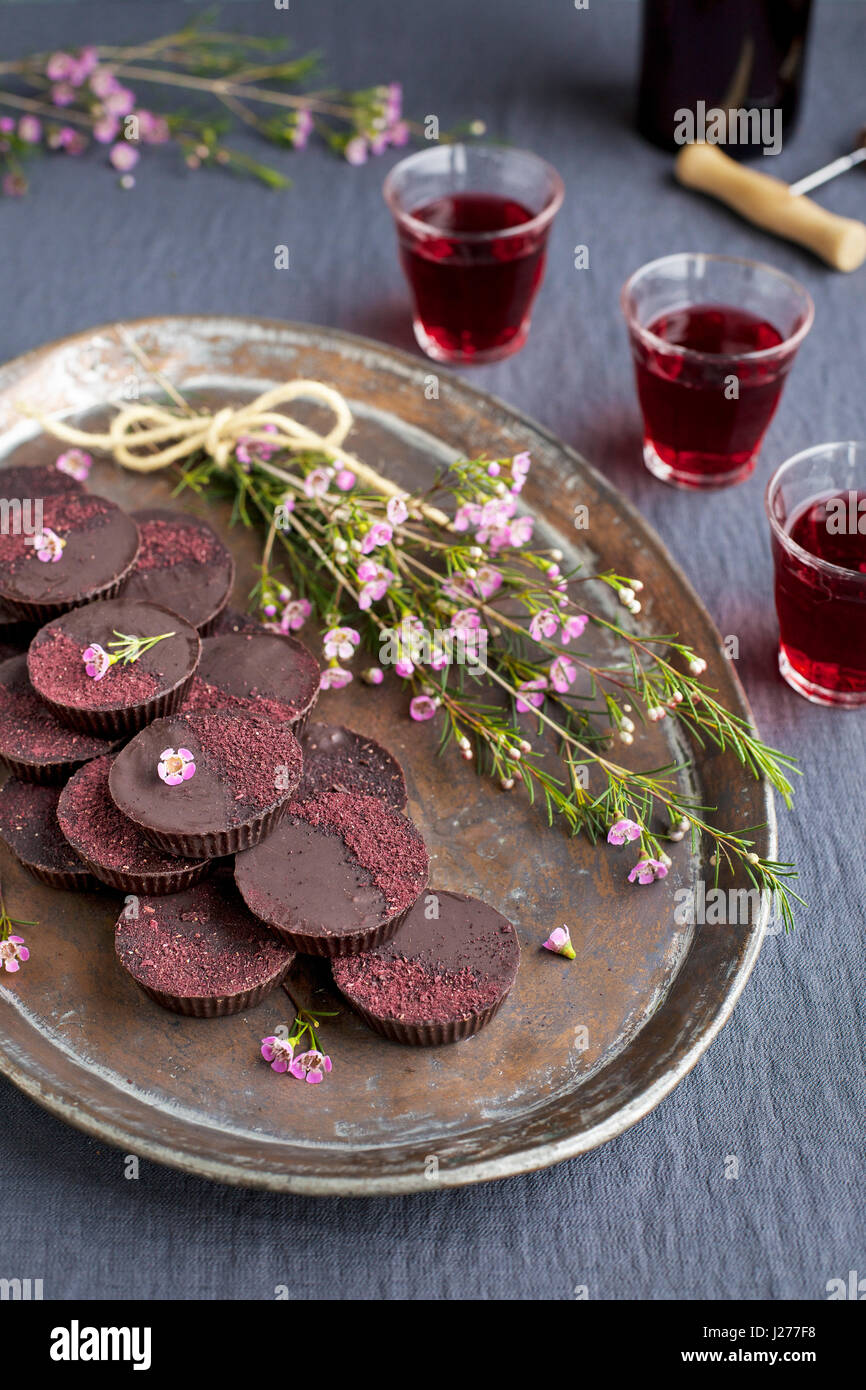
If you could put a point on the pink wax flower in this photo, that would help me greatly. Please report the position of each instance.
(62, 94)
(97, 661)
(119, 102)
(13, 953)
(487, 580)
(397, 511)
(49, 546)
(459, 587)
(521, 530)
(176, 766)
(356, 150)
(103, 82)
(301, 129)
(317, 482)
(249, 450)
(375, 580)
(71, 142)
(379, 533)
(30, 130)
(60, 67)
(466, 620)
(279, 1052)
(468, 514)
(404, 667)
(105, 129)
(393, 102)
(152, 129)
(345, 480)
(623, 830)
(520, 466)
(374, 675)
(563, 673)
(295, 614)
(543, 624)
(124, 156)
(647, 870)
(341, 642)
(573, 627)
(334, 678)
(310, 1066)
(399, 134)
(76, 463)
(532, 695)
(422, 707)
(559, 942)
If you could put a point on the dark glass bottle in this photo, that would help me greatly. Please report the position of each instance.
(741, 54)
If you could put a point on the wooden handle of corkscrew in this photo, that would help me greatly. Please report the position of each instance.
(764, 200)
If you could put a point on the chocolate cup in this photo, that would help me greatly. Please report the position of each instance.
(46, 774)
(68, 880)
(349, 944)
(46, 771)
(466, 933)
(133, 784)
(213, 1006)
(141, 517)
(152, 885)
(427, 1034)
(216, 844)
(121, 722)
(42, 613)
(35, 835)
(205, 922)
(121, 542)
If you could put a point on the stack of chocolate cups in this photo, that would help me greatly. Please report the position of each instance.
(153, 735)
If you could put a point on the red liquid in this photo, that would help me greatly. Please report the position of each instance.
(822, 617)
(473, 298)
(699, 429)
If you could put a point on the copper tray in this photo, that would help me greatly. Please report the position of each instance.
(78, 1037)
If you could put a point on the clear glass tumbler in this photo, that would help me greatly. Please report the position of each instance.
(472, 224)
(713, 339)
(816, 504)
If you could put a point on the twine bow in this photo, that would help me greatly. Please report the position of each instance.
(147, 437)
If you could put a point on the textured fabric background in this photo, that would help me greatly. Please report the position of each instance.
(651, 1215)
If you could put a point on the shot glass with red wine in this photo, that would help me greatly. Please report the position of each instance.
(816, 504)
(713, 339)
(472, 225)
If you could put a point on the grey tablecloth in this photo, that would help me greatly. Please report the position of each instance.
(651, 1215)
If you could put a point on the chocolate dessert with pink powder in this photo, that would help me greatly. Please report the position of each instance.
(201, 953)
(440, 978)
(30, 829)
(115, 850)
(202, 785)
(337, 875)
(261, 673)
(182, 565)
(33, 742)
(110, 667)
(85, 549)
(337, 759)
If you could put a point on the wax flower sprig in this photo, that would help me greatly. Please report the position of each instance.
(282, 1054)
(367, 565)
(488, 633)
(13, 951)
(98, 661)
(68, 102)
